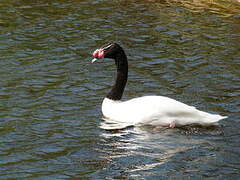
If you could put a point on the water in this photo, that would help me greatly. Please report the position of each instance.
(50, 95)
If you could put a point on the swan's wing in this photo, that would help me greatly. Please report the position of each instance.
(159, 110)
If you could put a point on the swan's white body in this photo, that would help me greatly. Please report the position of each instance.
(156, 111)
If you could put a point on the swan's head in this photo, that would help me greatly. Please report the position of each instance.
(107, 51)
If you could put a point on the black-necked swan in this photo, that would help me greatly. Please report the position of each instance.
(146, 110)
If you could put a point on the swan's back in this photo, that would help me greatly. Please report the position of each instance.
(157, 111)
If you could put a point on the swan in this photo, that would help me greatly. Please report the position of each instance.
(147, 110)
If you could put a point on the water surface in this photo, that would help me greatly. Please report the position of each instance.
(50, 93)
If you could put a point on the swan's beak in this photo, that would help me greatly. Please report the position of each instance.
(95, 59)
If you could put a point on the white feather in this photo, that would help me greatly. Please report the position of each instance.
(157, 111)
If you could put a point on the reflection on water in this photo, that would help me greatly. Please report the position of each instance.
(223, 8)
(108, 125)
(137, 152)
(50, 93)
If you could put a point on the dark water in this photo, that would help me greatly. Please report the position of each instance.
(50, 93)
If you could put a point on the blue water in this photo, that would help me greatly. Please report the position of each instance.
(50, 93)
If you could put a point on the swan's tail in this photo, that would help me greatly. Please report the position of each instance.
(209, 119)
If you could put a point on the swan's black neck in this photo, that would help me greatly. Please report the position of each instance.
(122, 75)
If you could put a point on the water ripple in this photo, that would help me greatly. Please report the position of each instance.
(51, 94)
